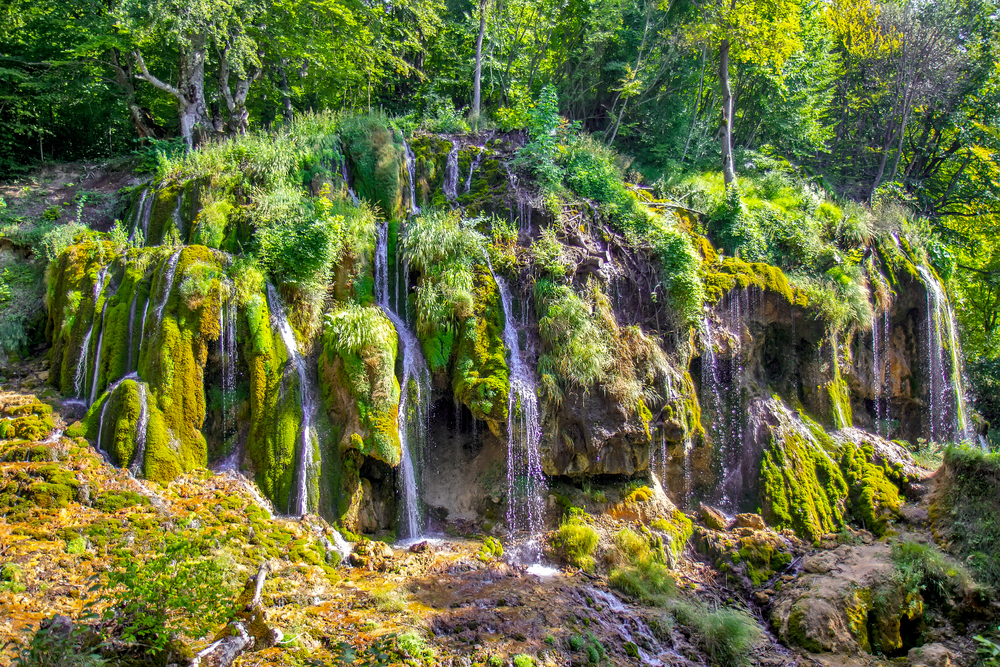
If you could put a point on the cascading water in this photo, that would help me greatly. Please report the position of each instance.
(450, 185)
(722, 386)
(167, 285)
(131, 327)
(414, 398)
(81, 363)
(473, 167)
(307, 400)
(104, 408)
(227, 356)
(411, 162)
(525, 479)
(139, 458)
(946, 393)
(880, 374)
(347, 183)
(142, 214)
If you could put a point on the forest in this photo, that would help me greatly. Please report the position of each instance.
(499, 333)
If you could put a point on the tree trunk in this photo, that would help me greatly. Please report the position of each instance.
(145, 124)
(726, 130)
(190, 91)
(697, 103)
(477, 82)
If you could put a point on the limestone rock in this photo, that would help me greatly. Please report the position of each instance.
(754, 521)
(930, 655)
(713, 518)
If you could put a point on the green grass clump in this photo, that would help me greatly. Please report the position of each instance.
(727, 635)
(522, 660)
(388, 601)
(577, 541)
(641, 573)
(924, 570)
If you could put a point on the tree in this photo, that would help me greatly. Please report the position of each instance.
(763, 32)
(477, 82)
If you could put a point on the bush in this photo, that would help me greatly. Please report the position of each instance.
(577, 541)
(183, 589)
(59, 643)
(413, 646)
(641, 573)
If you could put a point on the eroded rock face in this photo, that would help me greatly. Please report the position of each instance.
(847, 601)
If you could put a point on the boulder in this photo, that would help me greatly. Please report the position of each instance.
(930, 655)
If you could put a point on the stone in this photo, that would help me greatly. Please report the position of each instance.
(713, 518)
(820, 563)
(754, 521)
(930, 655)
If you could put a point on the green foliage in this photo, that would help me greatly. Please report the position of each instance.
(414, 647)
(541, 153)
(297, 239)
(924, 570)
(388, 601)
(182, 589)
(55, 644)
(727, 635)
(988, 650)
(522, 660)
(577, 542)
(490, 551)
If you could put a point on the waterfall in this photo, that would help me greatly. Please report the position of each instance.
(347, 183)
(139, 457)
(142, 213)
(104, 408)
(131, 327)
(414, 397)
(945, 390)
(81, 363)
(525, 479)
(450, 185)
(880, 374)
(167, 286)
(473, 167)
(411, 161)
(722, 385)
(97, 357)
(227, 355)
(300, 498)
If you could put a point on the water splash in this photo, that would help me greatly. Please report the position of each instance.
(414, 398)
(525, 479)
(946, 392)
(450, 185)
(81, 363)
(299, 499)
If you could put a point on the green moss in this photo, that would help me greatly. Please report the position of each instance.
(874, 499)
(801, 487)
(480, 379)
(358, 381)
(733, 273)
(678, 528)
(375, 154)
(577, 542)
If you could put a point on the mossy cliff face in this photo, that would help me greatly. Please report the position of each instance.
(156, 317)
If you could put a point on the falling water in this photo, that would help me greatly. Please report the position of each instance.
(414, 392)
(227, 355)
(97, 357)
(104, 408)
(347, 183)
(167, 285)
(300, 500)
(139, 458)
(142, 214)
(880, 374)
(81, 363)
(411, 162)
(945, 395)
(525, 479)
(131, 327)
(450, 185)
(473, 167)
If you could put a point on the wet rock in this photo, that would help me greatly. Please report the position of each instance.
(821, 563)
(420, 547)
(83, 494)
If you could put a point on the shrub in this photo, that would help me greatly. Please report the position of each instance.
(58, 643)
(577, 541)
(641, 573)
(182, 589)
(546, 129)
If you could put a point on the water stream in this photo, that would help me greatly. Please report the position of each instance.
(139, 458)
(142, 214)
(228, 359)
(414, 398)
(473, 167)
(299, 497)
(525, 479)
